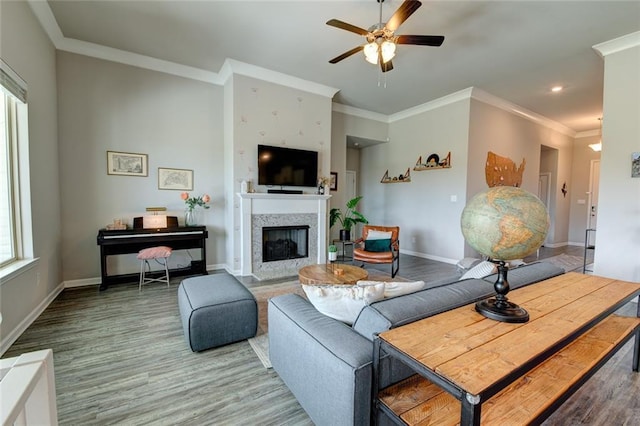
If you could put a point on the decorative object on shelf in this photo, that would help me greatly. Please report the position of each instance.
(175, 179)
(433, 162)
(347, 219)
(118, 224)
(504, 223)
(192, 215)
(127, 164)
(502, 171)
(333, 253)
(405, 178)
(322, 184)
(333, 181)
(246, 187)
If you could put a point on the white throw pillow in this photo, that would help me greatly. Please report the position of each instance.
(343, 302)
(481, 270)
(393, 288)
(379, 235)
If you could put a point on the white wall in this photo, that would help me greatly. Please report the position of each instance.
(271, 114)
(617, 252)
(108, 106)
(26, 48)
(429, 221)
(580, 170)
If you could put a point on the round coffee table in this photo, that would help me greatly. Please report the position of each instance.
(324, 274)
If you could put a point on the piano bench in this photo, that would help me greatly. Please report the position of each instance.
(216, 310)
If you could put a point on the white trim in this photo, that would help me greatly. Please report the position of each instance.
(11, 337)
(430, 257)
(490, 99)
(362, 113)
(587, 133)
(14, 269)
(431, 105)
(618, 44)
(45, 16)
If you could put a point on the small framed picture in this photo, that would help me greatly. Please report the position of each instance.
(177, 179)
(127, 164)
(333, 181)
(635, 164)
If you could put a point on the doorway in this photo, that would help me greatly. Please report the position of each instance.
(544, 191)
(592, 211)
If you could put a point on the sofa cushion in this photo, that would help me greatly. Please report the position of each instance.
(379, 235)
(394, 289)
(344, 302)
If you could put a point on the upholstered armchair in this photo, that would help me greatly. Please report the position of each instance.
(378, 245)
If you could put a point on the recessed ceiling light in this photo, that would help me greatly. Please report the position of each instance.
(556, 89)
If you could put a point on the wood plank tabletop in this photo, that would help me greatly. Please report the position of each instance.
(475, 352)
(326, 274)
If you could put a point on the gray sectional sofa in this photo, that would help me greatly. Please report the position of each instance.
(327, 364)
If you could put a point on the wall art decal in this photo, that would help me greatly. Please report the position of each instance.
(502, 171)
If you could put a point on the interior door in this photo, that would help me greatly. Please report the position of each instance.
(350, 191)
(594, 180)
(544, 182)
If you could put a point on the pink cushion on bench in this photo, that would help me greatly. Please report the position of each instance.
(154, 252)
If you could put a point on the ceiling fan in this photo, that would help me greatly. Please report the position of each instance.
(381, 43)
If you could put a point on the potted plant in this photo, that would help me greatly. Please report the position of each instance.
(333, 253)
(347, 219)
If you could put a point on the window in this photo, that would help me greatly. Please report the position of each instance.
(12, 97)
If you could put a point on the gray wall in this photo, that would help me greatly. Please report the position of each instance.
(25, 47)
(617, 252)
(108, 106)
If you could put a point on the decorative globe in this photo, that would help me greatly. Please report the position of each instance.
(505, 223)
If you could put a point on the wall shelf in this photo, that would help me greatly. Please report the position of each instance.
(405, 178)
(433, 162)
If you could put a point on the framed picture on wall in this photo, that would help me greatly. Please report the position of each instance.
(176, 179)
(127, 164)
(333, 181)
(635, 164)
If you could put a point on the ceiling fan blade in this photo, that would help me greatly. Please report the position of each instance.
(346, 54)
(422, 40)
(345, 26)
(405, 10)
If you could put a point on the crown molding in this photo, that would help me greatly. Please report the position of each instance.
(44, 15)
(588, 134)
(487, 98)
(232, 66)
(362, 113)
(431, 105)
(618, 44)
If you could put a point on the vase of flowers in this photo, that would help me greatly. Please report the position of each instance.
(192, 216)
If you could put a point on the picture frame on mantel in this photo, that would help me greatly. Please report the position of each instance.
(175, 179)
(127, 164)
(333, 181)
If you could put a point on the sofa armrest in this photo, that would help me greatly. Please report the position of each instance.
(325, 364)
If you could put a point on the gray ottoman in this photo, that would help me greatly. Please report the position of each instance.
(216, 310)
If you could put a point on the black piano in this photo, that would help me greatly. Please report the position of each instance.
(113, 242)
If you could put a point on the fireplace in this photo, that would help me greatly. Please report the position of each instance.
(285, 242)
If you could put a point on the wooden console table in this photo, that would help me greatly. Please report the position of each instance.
(127, 241)
(473, 370)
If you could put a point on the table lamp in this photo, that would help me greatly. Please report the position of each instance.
(504, 223)
(155, 220)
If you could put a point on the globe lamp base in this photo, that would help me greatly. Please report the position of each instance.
(499, 308)
(503, 311)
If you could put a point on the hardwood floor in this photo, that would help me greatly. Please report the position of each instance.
(120, 358)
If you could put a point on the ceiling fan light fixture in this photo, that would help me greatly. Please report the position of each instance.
(371, 53)
(388, 51)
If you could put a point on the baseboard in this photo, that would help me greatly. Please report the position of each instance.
(9, 339)
(430, 257)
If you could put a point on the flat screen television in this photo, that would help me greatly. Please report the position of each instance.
(287, 166)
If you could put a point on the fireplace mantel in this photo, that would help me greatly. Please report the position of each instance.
(253, 204)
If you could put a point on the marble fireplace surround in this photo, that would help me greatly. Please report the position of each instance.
(260, 209)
